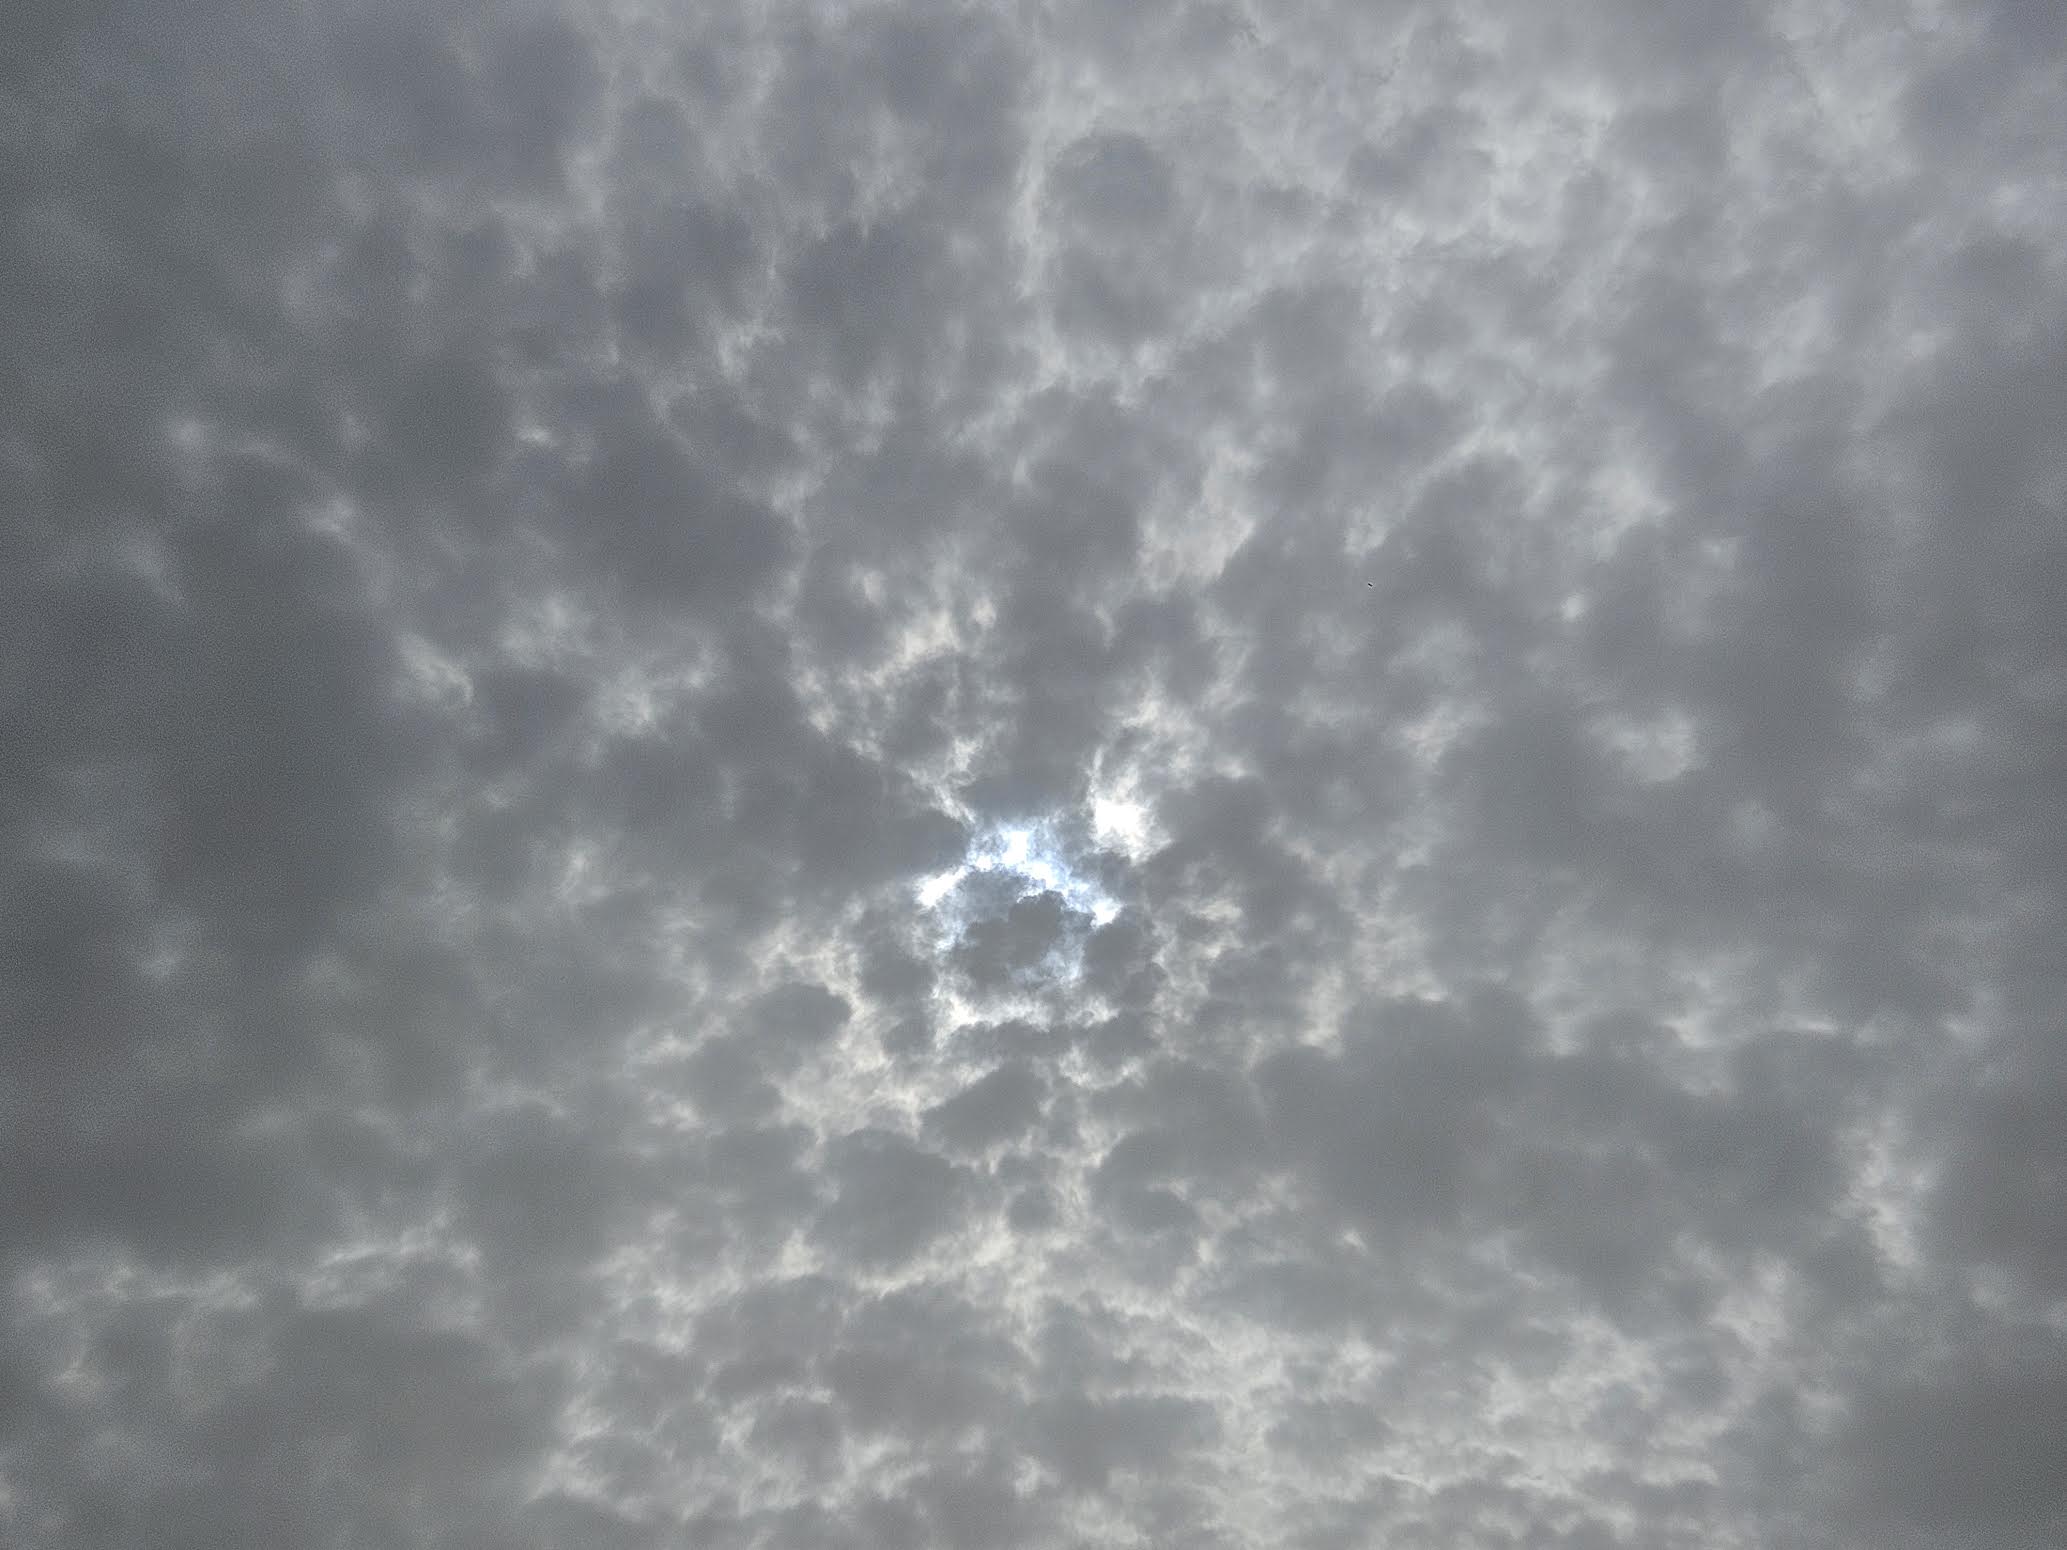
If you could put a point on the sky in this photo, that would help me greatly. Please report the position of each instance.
(805, 776)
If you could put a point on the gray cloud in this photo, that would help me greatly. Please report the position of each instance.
(997, 1107)
(961, 776)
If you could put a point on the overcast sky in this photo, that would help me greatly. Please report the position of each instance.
(1068, 774)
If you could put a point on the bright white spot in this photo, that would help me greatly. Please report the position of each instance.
(1120, 825)
(1030, 852)
(1014, 846)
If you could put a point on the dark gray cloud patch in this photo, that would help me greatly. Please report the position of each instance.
(653, 519)
(891, 1198)
(999, 1106)
(950, 776)
(797, 1014)
(1113, 181)
(434, 96)
(1085, 1442)
(1019, 946)
(1961, 1448)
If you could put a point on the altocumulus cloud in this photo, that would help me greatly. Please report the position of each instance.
(983, 775)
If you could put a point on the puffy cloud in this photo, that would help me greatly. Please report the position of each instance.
(929, 774)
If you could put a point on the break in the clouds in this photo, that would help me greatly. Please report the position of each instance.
(1033, 775)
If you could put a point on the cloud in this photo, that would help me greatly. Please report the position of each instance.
(891, 1198)
(997, 1107)
(1958, 1448)
(946, 775)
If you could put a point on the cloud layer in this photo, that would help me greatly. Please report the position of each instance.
(922, 774)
